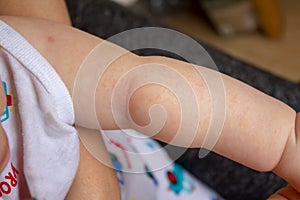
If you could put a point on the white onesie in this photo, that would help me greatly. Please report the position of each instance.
(37, 120)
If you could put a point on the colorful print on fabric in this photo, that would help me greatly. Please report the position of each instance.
(118, 167)
(152, 145)
(179, 181)
(151, 176)
(125, 153)
(9, 103)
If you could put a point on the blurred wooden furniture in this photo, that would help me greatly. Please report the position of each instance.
(278, 56)
(269, 15)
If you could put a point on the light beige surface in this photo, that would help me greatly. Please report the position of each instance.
(280, 57)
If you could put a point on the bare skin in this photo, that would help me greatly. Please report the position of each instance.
(54, 10)
(267, 137)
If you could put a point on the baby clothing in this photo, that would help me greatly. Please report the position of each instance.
(37, 120)
(146, 172)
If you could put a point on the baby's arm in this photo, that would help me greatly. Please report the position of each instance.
(259, 131)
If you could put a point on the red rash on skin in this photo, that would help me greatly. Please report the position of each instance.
(50, 39)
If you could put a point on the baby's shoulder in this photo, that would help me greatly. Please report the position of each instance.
(64, 47)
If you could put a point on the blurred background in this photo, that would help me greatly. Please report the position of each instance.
(265, 33)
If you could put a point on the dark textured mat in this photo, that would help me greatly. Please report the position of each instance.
(231, 180)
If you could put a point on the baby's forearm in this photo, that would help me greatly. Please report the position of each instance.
(256, 127)
(259, 131)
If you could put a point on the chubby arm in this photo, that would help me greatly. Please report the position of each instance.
(259, 131)
(256, 126)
